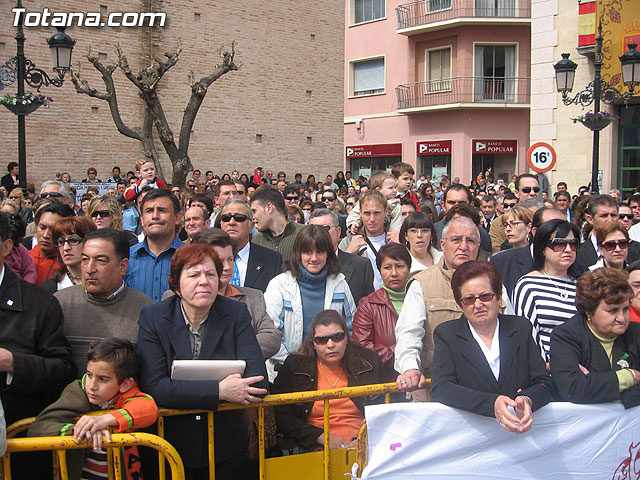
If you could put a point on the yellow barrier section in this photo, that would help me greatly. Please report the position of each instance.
(301, 462)
(117, 440)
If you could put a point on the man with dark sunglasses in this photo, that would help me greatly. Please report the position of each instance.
(256, 265)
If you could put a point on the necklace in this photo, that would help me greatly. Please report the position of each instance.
(333, 385)
(564, 294)
(72, 278)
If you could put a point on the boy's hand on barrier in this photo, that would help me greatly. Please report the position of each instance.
(90, 428)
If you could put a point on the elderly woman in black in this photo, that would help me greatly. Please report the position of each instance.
(595, 356)
(327, 359)
(485, 362)
(199, 324)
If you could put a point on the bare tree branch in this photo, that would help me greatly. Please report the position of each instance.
(198, 92)
(82, 86)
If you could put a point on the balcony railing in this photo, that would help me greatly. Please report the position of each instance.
(425, 12)
(486, 90)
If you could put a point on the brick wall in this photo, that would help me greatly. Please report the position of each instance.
(288, 89)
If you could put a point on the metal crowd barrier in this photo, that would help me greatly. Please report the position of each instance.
(269, 467)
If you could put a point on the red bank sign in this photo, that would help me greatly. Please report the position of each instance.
(441, 147)
(386, 150)
(496, 147)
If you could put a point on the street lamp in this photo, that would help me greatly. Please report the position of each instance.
(24, 71)
(597, 91)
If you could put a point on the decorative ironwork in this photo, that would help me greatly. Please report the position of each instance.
(34, 76)
(608, 94)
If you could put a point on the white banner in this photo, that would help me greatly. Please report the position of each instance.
(567, 441)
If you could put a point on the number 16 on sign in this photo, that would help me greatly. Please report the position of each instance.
(541, 157)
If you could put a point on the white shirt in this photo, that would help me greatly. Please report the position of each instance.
(491, 354)
(378, 243)
(242, 262)
(410, 327)
(634, 232)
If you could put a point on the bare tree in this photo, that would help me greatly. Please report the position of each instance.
(146, 81)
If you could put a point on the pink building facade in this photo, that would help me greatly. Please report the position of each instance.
(440, 84)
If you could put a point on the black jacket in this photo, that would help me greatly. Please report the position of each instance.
(262, 266)
(463, 379)
(300, 374)
(358, 273)
(572, 343)
(162, 339)
(31, 329)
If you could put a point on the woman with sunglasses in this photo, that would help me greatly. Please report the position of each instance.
(326, 360)
(67, 235)
(311, 281)
(419, 235)
(106, 212)
(613, 243)
(546, 295)
(485, 362)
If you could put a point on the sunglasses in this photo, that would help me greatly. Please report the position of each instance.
(238, 217)
(484, 298)
(508, 205)
(336, 337)
(622, 216)
(528, 189)
(72, 241)
(350, 204)
(560, 244)
(191, 186)
(291, 199)
(611, 245)
(101, 214)
(51, 195)
(329, 199)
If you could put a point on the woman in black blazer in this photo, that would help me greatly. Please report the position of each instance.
(196, 323)
(488, 379)
(595, 356)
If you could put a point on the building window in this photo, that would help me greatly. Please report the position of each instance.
(367, 10)
(629, 148)
(496, 8)
(495, 68)
(368, 77)
(436, 5)
(438, 74)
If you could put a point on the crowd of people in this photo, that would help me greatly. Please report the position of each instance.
(507, 296)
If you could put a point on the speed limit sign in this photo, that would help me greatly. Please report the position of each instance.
(541, 157)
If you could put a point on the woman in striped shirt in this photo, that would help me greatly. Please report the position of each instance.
(546, 295)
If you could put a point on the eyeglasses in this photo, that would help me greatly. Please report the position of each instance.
(457, 240)
(512, 224)
(238, 217)
(528, 189)
(416, 231)
(611, 245)
(101, 214)
(329, 199)
(621, 216)
(322, 340)
(72, 241)
(350, 204)
(191, 185)
(560, 244)
(291, 199)
(484, 298)
(508, 205)
(51, 195)
(326, 227)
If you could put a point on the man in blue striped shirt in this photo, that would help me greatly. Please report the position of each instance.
(150, 260)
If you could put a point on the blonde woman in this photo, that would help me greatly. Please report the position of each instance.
(516, 222)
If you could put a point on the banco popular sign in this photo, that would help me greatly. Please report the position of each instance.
(499, 147)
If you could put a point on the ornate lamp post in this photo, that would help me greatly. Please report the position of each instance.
(597, 91)
(24, 71)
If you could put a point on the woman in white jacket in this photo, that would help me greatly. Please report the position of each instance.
(311, 282)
